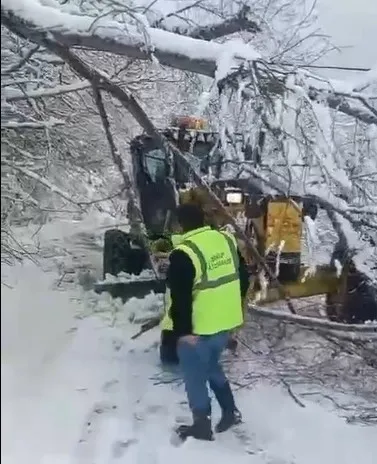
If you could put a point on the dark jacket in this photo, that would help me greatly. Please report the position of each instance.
(180, 280)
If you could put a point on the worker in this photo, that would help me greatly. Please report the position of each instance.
(168, 340)
(207, 280)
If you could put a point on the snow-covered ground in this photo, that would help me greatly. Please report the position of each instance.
(75, 389)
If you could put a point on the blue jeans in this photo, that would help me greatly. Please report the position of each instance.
(200, 364)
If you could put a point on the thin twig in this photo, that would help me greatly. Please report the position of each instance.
(291, 394)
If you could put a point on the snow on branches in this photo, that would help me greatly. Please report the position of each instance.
(136, 39)
(320, 136)
(49, 163)
(309, 151)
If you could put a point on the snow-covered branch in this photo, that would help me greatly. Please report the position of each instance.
(370, 329)
(32, 175)
(31, 20)
(14, 95)
(242, 21)
(52, 152)
(14, 67)
(16, 125)
(346, 104)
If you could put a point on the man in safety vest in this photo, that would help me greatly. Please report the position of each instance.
(207, 280)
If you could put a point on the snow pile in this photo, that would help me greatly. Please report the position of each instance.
(114, 312)
(140, 310)
(146, 274)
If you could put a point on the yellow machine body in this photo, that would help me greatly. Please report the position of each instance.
(274, 225)
(283, 226)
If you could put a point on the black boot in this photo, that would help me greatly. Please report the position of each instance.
(201, 429)
(228, 419)
(230, 415)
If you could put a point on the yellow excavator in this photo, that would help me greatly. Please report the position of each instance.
(274, 224)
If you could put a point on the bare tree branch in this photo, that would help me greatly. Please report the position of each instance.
(38, 178)
(136, 216)
(22, 61)
(342, 103)
(292, 395)
(18, 95)
(240, 22)
(370, 329)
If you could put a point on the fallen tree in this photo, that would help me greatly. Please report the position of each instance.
(263, 81)
(31, 20)
(370, 329)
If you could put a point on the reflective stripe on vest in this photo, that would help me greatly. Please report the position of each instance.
(204, 282)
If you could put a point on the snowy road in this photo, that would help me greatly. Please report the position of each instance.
(76, 390)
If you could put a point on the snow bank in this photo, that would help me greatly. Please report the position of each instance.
(41, 403)
(56, 368)
(34, 319)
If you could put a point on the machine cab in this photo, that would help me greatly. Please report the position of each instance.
(152, 171)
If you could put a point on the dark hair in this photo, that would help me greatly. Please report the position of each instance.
(190, 216)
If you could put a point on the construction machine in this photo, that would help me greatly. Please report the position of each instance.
(274, 224)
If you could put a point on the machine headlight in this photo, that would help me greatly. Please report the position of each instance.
(234, 197)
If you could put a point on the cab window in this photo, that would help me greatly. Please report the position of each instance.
(154, 164)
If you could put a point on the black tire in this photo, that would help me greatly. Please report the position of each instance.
(121, 255)
(359, 304)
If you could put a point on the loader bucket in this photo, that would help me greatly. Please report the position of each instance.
(133, 288)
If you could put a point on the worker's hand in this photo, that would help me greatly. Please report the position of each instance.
(190, 339)
(232, 344)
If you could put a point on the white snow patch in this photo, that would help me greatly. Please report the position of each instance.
(312, 246)
(140, 309)
(229, 58)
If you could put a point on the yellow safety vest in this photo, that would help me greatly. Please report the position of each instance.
(217, 302)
